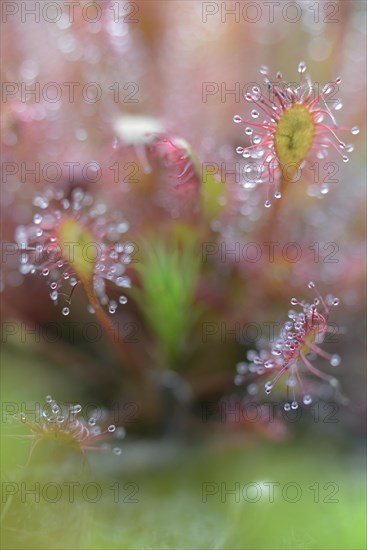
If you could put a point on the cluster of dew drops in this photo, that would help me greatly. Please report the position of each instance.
(292, 337)
(84, 432)
(257, 153)
(113, 255)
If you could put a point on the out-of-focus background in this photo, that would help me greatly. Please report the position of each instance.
(124, 99)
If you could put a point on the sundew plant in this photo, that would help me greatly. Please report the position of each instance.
(183, 275)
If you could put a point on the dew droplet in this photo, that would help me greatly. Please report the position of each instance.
(242, 367)
(123, 300)
(96, 430)
(287, 407)
(311, 284)
(294, 301)
(334, 382)
(111, 428)
(345, 158)
(277, 194)
(268, 387)
(267, 204)
(37, 218)
(237, 119)
(292, 381)
(301, 67)
(355, 130)
(117, 450)
(327, 89)
(294, 405)
(255, 113)
(263, 69)
(77, 194)
(307, 399)
(123, 282)
(335, 360)
(252, 389)
(120, 432)
(41, 202)
(65, 311)
(92, 421)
